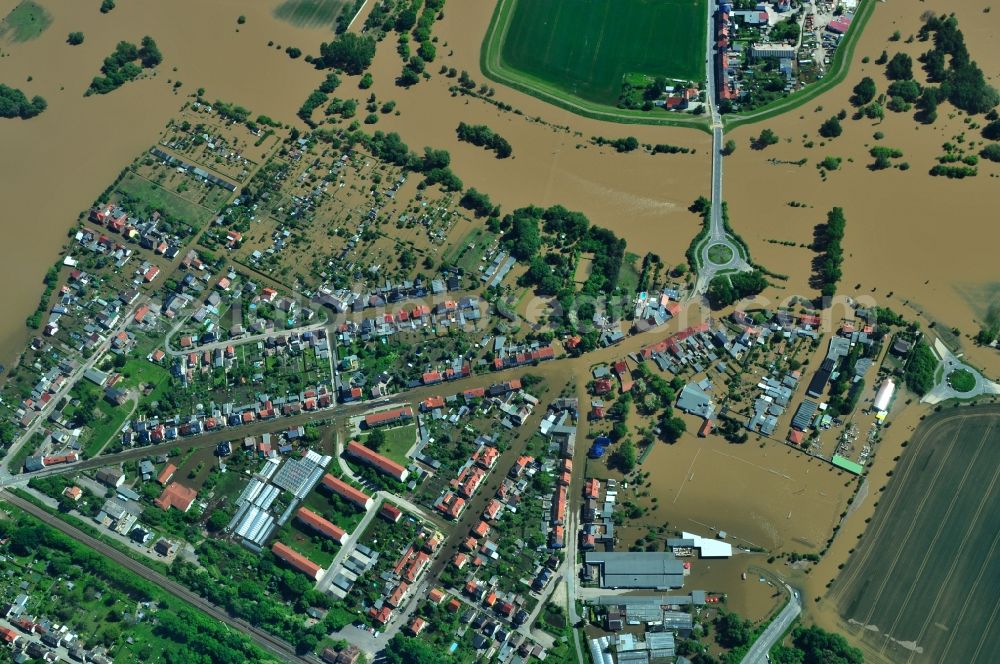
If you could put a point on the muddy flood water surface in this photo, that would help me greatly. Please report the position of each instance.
(910, 236)
(57, 163)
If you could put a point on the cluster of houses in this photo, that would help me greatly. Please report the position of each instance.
(186, 367)
(596, 514)
(730, 52)
(37, 638)
(200, 173)
(655, 309)
(149, 431)
(401, 582)
(121, 512)
(147, 233)
(343, 300)
(470, 477)
(44, 390)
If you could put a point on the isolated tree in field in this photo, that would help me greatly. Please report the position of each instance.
(831, 128)
(107, 5)
(350, 52)
(991, 152)
(729, 147)
(900, 68)
(74, 38)
(375, 440)
(864, 91)
(671, 428)
(624, 457)
(767, 137)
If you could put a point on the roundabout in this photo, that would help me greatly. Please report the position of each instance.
(720, 254)
(962, 380)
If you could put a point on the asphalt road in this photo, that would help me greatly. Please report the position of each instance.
(717, 231)
(272, 644)
(772, 633)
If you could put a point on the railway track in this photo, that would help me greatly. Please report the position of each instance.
(268, 642)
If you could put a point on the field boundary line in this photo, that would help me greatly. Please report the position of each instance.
(846, 580)
(909, 531)
(356, 15)
(986, 632)
(951, 570)
(684, 481)
(937, 535)
(751, 463)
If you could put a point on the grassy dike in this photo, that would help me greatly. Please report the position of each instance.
(492, 65)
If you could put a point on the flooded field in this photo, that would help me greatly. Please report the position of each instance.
(909, 236)
(768, 496)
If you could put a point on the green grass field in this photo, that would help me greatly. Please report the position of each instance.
(927, 571)
(585, 47)
(398, 441)
(26, 21)
(310, 13)
(159, 198)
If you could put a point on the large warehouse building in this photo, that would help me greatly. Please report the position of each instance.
(635, 569)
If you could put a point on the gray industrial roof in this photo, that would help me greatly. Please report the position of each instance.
(638, 569)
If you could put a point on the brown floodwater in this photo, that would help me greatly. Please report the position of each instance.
(910, 236)
(56, 164)
(644, 198)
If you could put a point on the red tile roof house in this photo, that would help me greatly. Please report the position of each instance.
(391, 513)
(398, 595)
(296, 560)
(321, 525)
(382, 616)
(486, 457)
(347, 492)
(9, 635)
(177, 496)
(165, 474)
(417, 626)
(404, 413)
(383, 465)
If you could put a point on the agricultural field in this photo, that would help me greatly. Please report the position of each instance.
(921, 586)
(25, 22)
(311, 13)
(590, 45)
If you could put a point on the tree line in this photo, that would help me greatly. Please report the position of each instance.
(726, 289)
(826, 243)
(15, 104)
(484, 137)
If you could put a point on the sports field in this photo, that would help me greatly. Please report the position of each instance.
(584, 47)
(922, 586)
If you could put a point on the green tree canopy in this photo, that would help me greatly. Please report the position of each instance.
(348, 51)
(900, 67)
(864, 91)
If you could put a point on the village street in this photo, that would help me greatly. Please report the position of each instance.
(6, 474)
